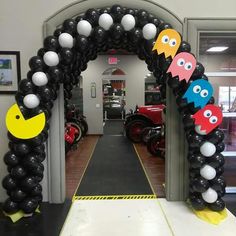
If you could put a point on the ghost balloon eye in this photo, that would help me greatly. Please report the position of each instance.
(204, 93)
(165, 39)
(207, 113)
(197, 89)
(188, 66)
(172, 42)
(213, 120)
(180, 62)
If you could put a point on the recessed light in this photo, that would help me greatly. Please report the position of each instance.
(217, 49)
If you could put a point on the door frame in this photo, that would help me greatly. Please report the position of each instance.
(176, 165)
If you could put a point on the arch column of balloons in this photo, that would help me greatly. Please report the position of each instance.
(65, 55)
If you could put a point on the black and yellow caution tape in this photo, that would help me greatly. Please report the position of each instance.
(115, 197)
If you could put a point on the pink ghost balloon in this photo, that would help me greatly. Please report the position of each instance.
(183, 66)
(207, 119)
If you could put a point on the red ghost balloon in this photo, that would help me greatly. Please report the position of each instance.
(183, 66)
(207, 119)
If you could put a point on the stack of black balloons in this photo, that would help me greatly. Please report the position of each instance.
(62, 59)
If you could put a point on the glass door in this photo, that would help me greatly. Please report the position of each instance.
(217, 52)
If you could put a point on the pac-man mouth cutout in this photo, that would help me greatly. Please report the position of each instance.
(207, 119)
(167, 42)
(199, 92)
(182, 66)
(21, 128)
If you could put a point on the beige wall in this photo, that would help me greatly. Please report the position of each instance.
(21, 29)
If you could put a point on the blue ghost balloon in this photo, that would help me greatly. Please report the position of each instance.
(199, 92)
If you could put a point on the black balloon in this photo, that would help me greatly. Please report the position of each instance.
(21, 149)
(92, 15)
(26, 86)
(142, 17)
(135, 35)
(30, 161)
(217, 160)
(99, 35)
(36, 141)
(50, 43)
(197, 202)
(10, 207)
(28, 183)
(45, 93)
(199, 70)
(55, 75)
(196, 160)
(219, 171)
(70, 26)
(218, 183)
(36, 63)
(164, 26)
(218, 205)
(130, 11)
(66, 56)
(117, 12)
(29, 205)
(37, 190)
(195, 140)
(216, 136)
(116, 31)
(9, 183)
(57, 33)
(184, 47)
(82, 44)
(11, 159)
(79, 18)
(41, 52)
(17, 195)
(40, 157)
(18, 172)
(220, 147)
(200, 184)
(39, 149)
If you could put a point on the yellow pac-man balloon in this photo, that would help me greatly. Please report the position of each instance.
(21, 128)
(167, 42)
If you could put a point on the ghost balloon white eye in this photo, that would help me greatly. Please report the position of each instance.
(165, 39)
(188, 66)
(180, 62)
(213, 120)
(207, 113)
(204, 93)
(172, 42)
(197, 89)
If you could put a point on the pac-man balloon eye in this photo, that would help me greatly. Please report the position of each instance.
(207, 119)
(21, 128)
(168, 43)
(199, 92)
(182, 66)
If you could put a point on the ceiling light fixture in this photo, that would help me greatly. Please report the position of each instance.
(217, 49)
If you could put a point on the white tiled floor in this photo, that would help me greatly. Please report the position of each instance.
(140, 218)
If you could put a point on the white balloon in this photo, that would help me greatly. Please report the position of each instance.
(39, 78)
(208, 172)
(51, 58)
(210, 195)
(128, 22)
(31, 101)
(84, 28)
(105, 21)
(66, 40)
(207, 149)
(149, 31)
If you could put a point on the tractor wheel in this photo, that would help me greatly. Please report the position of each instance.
(156, 145)
(134, 130)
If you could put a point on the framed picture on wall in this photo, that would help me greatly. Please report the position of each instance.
(9, 71)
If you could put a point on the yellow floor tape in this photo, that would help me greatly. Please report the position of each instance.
(212, 217)
(19, 214)
(114, 197)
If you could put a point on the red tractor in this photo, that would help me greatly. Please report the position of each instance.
(142, 117)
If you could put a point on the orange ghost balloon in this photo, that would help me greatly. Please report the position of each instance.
(167, 42)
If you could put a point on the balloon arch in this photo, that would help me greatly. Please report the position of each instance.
(62, 59)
